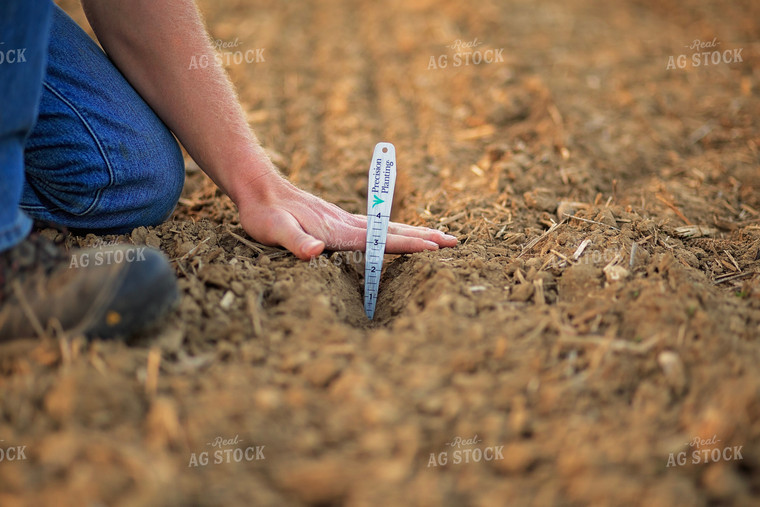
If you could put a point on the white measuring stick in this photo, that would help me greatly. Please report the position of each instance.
(382, 180)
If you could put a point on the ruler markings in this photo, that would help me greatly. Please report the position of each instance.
(381, 183)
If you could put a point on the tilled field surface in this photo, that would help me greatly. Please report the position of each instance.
(594, 338)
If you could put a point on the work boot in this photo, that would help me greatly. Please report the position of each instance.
(106, 292)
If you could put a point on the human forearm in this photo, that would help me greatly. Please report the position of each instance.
(153, 42)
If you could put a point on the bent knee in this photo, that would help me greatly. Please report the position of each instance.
(114, 190)
(163, 184)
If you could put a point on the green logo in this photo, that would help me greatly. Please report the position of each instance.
(377, 201)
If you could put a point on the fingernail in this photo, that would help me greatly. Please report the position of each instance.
(431, 245)
(312, 244)
(448, 236)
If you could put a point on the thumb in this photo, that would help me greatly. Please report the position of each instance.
(290, 234)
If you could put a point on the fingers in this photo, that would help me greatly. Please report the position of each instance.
(438, 237)
(399, 244)
(348, 238)
(414, 231)
(287, 230)
(401, 239)
(289, 233)
(308, 247)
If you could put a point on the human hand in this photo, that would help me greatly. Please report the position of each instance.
(279, 213)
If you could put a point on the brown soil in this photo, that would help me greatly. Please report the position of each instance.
(589, 370)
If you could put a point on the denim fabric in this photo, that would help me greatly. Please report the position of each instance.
(24, 32)
(98, 158)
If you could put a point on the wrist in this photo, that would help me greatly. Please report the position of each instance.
(251, 177)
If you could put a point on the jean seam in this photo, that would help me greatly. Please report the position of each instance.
(98, 194)
(16, 232)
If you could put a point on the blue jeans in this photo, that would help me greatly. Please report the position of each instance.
(78, 146)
